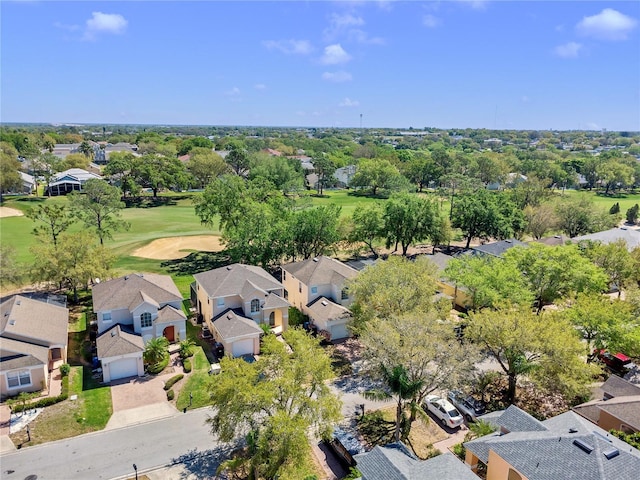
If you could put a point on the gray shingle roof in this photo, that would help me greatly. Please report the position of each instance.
(115, 342)
(320, 271)
(515, 420)
(27, 319)
(231, 324)
(552, 453)
(619, 387)
(630, 235)
(169, 314)
(441, 260)
(14, 354)
(497, 248)
(396, 462)
(324, 309)
(231, 280)
(626, 409)
(130, 290)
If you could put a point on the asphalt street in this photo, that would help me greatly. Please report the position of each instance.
(183, 438)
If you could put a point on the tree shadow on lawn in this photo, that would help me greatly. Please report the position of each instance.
(204, 463)
(150, 202)
(32, 199)
(197, 262)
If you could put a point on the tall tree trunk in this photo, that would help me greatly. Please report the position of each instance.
(511, 392)
(468, 241)
(396, 434)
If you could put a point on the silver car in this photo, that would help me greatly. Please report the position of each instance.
(467, 405)
(448, 415)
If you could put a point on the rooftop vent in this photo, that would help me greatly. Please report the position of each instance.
(315, 259)
(18, 302)
(623, 228)
(324, 303)
(508, 241)
(126, 277)
(557, 236)
(229, 316)
(228, 267)
(584, 446)
(12, 321)
(573, 430)
(113, 333)
(611, 453)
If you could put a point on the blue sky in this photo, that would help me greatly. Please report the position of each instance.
(491, 64)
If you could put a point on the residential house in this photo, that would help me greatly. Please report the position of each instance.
(318, 288)
(140, 305)
(234, 300)
(33, 342)
(496, 249)
(343, 175)
(396, 462)
(565, 447)
(553, 241)
(458, 294)
(617, 409)
(71, 180)
(61, 150)
(28, 183)
(631, 236)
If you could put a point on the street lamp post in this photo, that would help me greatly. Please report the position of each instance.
(135, 467)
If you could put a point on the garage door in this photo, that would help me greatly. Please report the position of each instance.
(243, 347)
(339, 331)
(127, 367)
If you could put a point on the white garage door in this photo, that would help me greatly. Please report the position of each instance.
(243, 347)
(339, 331)
(127, 367)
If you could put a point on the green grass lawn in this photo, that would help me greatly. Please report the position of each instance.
(197, 382)
(626, 201)
(345, 199)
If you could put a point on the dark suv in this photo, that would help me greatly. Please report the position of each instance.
(470, 407)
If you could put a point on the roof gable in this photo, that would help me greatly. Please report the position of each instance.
(321, 270)
(23, 318)
(131, 290)
(232, 279)
(231, 324)
(115, 342)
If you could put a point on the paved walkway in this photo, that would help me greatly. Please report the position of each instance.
(445, 445)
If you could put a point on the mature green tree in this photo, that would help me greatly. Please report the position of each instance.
(632, 214)
(99, 207)
(279, 399)
(489, 281)
(238, 159)
(120, 170)
(73, 263)
(158, 172)
(546, 349)
(409, 218)
(51, 219)
(489, 168)
(10, 180)
(531, 192)
(324, 168)
(556, 272)
(377, 174)
(453, 183)
(602, 322)
(393, 287)
(615, 174)
(191, 144)
(314, 230)
(204, 166)
(47, 165)
(486, 215)
(540, 219)
(280, 171)
(579, 215)
(12, 271)
(615, 259)
(422, 170)
(75, 160)
(368, 226)
(86, 149)
(155, 350)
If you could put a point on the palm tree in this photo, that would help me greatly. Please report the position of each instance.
(155, 350)
(399, 387)
(186, 347)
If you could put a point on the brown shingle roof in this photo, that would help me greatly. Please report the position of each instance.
(15, 348)
(122, 292)
(170, 314)
(232, 279)
(320, 271)
(23, 318)
(324, 309)
(231, 324)
(115, 342)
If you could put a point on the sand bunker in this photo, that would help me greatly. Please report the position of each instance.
(10, 212)
(170, 248)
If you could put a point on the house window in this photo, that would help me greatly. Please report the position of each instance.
(300, 287)
(220, 302)
(345, 294)
(284, 275)
(314, 290)
(255, 305)
(145, 320)
(513, 475)
(106, 317)
(18, 379)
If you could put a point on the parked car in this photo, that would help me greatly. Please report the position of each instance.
(448, 415)
(470, 407)
(618, 363)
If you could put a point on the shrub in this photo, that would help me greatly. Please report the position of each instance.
(160, 366)
(632, 214)
(170, 395)
(353, 474)
(296, 317)
(459, 451)
(65, 368)
(186, 348)
(47, 401)
(172, 381)
(186, 364)
(614, 209)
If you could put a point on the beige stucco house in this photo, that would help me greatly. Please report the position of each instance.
(234, 300)
(33, 342)
(318, 288)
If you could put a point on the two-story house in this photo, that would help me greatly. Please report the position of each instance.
(136, 305)
(33, 342)
(318, 287)
(234, 300)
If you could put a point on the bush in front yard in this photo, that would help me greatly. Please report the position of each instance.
(47, 401)
(160, 366)
(170, 395)
(186, 364)
(65, 368)
(172, 381)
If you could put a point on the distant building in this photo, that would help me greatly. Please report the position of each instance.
(630, 235)
(71, 180)
(343, 175)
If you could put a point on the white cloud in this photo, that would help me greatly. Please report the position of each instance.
(64, 26)
(360, 36)
(290, 47)
(347, 102)
(99, 22)
(337, 77)
(338, 23)
(334, 54)
(568, 50)
(260, 86)
(609, 24)
(431, 21)
(475, 4)
(234, 92)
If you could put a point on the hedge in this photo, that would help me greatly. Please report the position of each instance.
(172, 381)
(47, 401)
(160, 366)
(186, 364)
(170, 395)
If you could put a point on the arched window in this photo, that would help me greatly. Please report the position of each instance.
(255, 305)
(145, 320)
(272, 319)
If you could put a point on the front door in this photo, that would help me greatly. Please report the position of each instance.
(170, 333)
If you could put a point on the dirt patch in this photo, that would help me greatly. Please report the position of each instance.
(171, 248)
(10, 212)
